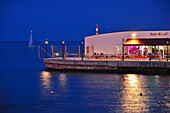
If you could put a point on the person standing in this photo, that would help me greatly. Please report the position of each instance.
(150, 56)
(160, 56)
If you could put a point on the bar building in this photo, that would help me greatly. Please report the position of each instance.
(133, 42)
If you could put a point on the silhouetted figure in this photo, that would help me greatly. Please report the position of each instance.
(150, 56)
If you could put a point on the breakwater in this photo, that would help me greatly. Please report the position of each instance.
(155, 67)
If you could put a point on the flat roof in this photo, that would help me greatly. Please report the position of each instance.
(126, 32)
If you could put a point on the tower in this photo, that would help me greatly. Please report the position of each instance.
(96, 29)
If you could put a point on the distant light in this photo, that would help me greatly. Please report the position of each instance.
(133, 34)
(62, 42)
(46, 41)
(57, 54)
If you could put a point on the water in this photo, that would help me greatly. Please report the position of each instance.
(25, 87)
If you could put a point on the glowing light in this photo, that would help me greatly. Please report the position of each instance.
(46, 41)
(63, 42)
(133, 34)
(133, 41)
(57, 54)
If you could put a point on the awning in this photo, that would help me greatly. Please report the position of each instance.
(151, 42)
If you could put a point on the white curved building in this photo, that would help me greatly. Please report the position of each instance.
(111, 43)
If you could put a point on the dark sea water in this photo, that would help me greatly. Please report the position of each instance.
(25, 87)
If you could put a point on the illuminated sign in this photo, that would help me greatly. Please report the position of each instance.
(159, 34)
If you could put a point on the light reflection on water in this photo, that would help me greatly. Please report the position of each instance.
(63, 80)
(45, 83)
(46, 79)
(107, 92)
(24, 89)
(131, 99)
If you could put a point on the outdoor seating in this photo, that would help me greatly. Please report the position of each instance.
(119, 57)
(127, 56)
(139, 56)
(147, 56)
(135, 56)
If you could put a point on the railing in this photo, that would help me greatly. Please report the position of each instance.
(126, 57)
(39, 49)
(56, 52)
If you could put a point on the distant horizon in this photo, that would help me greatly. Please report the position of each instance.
(83, 38)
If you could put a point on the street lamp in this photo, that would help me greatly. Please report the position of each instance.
(63, 48)
(46, 43)
(82, 44)
(167, 48)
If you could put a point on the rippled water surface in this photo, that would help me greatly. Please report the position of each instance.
(25, 87)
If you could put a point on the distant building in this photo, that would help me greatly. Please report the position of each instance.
(135, 43)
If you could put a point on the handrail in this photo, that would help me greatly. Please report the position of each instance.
(39, 47)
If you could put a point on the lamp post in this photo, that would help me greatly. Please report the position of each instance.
(82, 44)
(123, 49)
(63, 48)
(167, 49)
(46, 43)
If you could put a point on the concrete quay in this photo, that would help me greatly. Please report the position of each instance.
(153, 67)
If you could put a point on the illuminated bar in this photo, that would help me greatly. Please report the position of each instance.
(138, 43)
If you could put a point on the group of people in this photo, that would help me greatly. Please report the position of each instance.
(159, 56)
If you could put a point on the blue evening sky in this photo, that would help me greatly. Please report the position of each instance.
(75, 19)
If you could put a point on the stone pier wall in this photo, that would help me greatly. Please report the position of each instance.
(105, 65)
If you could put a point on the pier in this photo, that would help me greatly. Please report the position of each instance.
(153, 67)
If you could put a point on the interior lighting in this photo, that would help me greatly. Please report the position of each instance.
(133, 34)
(134, 41)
